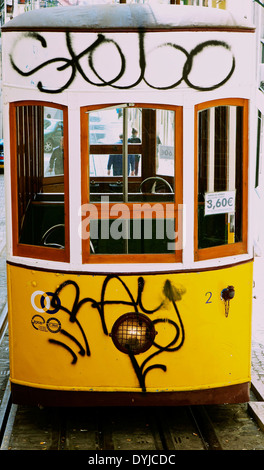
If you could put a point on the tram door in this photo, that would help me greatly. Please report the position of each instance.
(132, 173)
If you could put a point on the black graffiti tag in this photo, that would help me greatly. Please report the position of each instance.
(170, 293)
(73, 63)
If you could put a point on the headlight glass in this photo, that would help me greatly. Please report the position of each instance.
(133, 333)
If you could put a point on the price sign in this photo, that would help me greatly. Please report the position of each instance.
(220, 203)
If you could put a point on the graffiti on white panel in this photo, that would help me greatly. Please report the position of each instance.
(104, 61)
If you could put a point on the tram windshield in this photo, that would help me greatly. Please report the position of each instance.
(149, 132)
(132, 155)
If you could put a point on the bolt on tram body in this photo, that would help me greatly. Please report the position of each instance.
(128, 183)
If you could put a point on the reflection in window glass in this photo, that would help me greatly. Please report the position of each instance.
(165, 142)
(53, 141)
(139, 169)
(40, 153)
(220, 160)
(106, 128)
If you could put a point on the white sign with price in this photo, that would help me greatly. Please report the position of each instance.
(220, 203)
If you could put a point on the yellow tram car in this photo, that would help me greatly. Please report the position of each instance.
(129, 240)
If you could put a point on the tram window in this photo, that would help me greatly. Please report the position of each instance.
(39, 163)
(132, 164)
(222, 180)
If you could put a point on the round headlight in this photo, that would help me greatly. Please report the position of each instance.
(133, 333)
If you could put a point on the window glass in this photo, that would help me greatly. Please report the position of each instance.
(40, 176)
(132, 180)
(165, 142)
(53, 142)
(106, 128)
(220, 164)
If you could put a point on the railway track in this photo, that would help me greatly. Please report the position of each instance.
(112, 429)
(158, 429)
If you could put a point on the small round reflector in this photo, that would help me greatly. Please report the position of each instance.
(133, 333)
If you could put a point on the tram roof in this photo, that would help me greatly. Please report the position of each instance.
(124, 17)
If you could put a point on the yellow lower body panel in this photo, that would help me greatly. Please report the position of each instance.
(61, 324)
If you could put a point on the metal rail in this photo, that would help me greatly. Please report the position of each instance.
(7, 418)
(205, 428)
(3, 322)
(5, 402)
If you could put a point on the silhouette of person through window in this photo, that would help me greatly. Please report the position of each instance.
(115, 161)
(56, 159)
(133, 140)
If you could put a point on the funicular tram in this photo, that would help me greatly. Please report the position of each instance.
(128, 179)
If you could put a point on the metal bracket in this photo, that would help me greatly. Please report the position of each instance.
(226, 295)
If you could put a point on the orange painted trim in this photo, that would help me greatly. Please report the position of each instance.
(155, 258)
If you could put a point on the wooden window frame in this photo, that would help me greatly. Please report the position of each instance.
(238, 247)
(87, 257)
(27, 250)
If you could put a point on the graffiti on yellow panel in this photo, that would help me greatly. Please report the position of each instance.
(51, 302)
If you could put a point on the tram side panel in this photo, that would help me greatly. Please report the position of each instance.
(62, 334)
